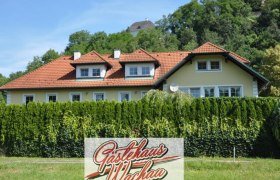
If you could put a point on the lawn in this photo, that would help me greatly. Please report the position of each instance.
(195, 168)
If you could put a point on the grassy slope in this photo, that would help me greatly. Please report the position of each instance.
(195, 168)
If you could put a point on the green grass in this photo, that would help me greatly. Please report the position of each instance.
(195, 168)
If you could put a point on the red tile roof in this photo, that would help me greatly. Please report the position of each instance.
(60, 73)
(90, 58)
(139, 55)
(208, 48)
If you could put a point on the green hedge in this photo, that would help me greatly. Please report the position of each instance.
(210, 126)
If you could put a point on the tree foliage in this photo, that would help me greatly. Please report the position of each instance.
(271, 69)
(50, 55)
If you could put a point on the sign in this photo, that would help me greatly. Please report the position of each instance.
(134, 159)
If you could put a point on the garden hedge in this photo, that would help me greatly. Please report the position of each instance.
(210, 126)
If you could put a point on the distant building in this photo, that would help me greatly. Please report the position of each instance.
(137, 26)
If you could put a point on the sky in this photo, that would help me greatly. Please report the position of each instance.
(30, 27)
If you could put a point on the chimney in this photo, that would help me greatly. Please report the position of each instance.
(77, 55)
(117, 54)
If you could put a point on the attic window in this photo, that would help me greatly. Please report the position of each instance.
(202, 65)
(96, 72)
(133, 71)
(145, 71)
(209, 65)
(84, 72)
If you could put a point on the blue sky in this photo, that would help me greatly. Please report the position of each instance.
(31, 27)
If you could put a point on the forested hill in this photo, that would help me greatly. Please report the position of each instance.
(250, 28)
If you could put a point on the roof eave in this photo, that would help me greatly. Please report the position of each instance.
(85, 87)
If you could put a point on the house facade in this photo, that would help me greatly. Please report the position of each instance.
(207, 71)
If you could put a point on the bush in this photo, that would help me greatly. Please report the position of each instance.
(210, 126)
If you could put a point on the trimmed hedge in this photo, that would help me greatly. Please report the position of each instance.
(210, 126)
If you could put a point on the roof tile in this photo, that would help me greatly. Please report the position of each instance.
(50, 76)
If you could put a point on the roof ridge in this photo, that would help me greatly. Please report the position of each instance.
(210, 44)
(34, 70)
(216, 46)
(149, 54)
(98, 55)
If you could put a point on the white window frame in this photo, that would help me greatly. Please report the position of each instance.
(51, 94)
(95, 93)
(82, 70)
(9, 100)
(200, 61)
(210, 68)
(208, 65)
(139, 67)
(229, 90)
(75, 93)
(216, 89)
(208, 87)
(148, 71)
(188, 89)
(25, 95)
(90, 68)
(127, 92)
(95, 75)
(134, 67)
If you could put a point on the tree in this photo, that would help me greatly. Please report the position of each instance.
(98, 42)
(37, 62)
(15, 75)
(49, 56)
(153, 39)
(271, 69)
(78, 41)
(3, 79)
(123, 41)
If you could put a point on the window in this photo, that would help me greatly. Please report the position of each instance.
(99, 96)
(208, 65)
(96, 72)
(84, 72)
(224, 91)
(145, 71)
(195, 92)
(51, 97)
(209, 92)
(133, 71)
(76, 97)
(235, 91)
(215, 65)
(202, 65)
(124, 96)
(184, 89)
(28, 98)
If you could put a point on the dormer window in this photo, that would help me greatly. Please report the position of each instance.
(84, 72)
(133, 71)
(96, 72)
(146, 71)
(140, 70)
(90, 72)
